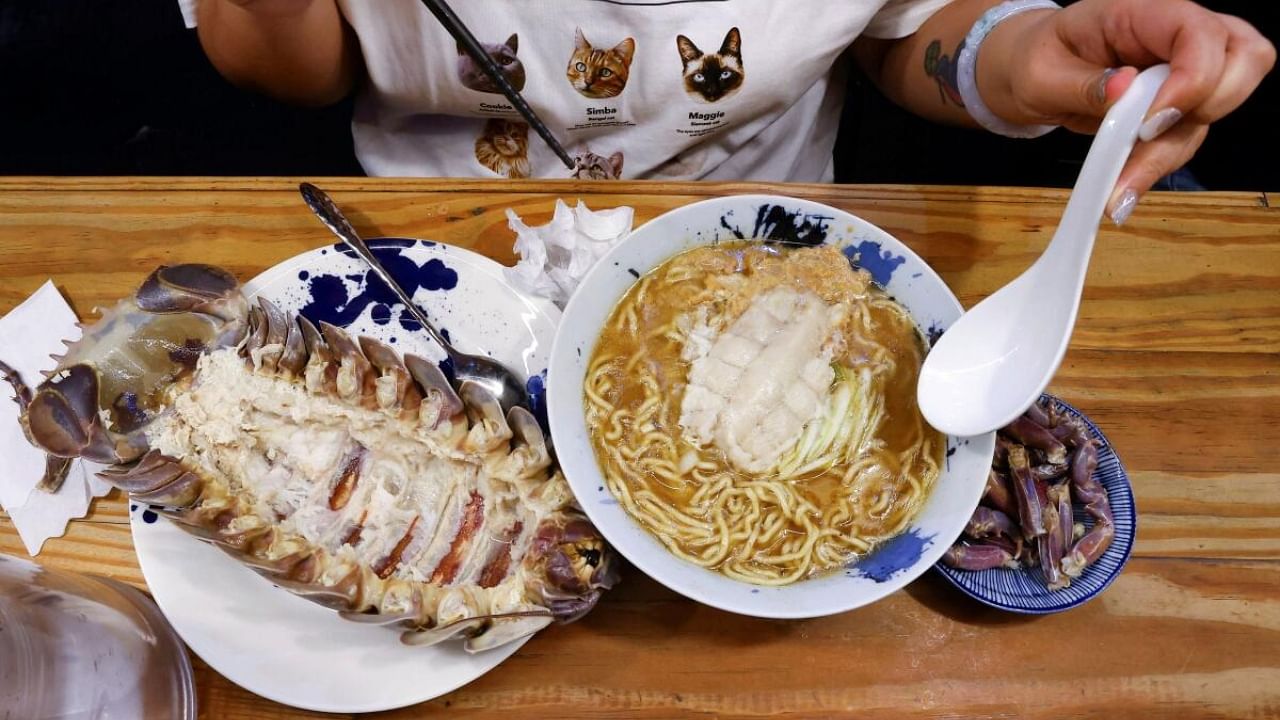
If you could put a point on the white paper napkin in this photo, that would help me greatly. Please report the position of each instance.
(556, 256)
(28, 336)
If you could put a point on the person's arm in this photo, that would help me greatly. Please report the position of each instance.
(299, 51)
(1066, 67)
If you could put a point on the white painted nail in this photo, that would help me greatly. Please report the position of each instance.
(1124, 207)
(1157, 124)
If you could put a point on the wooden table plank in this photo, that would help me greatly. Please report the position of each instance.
(1171, 300)
(1176, 356)
(1171, 639)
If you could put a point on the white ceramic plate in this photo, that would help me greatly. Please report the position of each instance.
(283, 647)
(895, 267)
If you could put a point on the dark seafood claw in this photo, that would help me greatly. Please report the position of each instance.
(1030, 508)
(1011, 544)
(1027, 432)
(1083, 463)
(1089, 491)
(978, 557)
(1001, 459)
(1049, 472)
(63, 420)
(998, 494)
(1088, 549)
(1071, 432)
(1051, 547)
(1061, 495)
(22, 392)
(570, 565)
(1038, 414)
(55, 468)
(986, 522)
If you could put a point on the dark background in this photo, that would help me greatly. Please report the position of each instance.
(100, 87)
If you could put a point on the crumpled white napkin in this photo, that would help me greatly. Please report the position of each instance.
(29, 334)
(556, 256)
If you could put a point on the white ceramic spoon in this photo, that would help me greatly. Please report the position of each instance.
(994, 362)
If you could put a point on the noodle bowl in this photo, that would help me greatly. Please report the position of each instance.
(891, 561)
(753, 407)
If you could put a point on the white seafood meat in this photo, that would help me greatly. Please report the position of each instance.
(763, 378)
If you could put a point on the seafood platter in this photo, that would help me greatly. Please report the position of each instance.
(728, 403)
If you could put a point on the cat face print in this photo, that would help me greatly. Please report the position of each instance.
(712, 77)
(503, 147)
(589, 166)
(473, 77)
(599, 73)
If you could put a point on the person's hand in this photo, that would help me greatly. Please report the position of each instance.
(1068, 67)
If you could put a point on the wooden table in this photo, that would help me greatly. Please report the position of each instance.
(1176, 356)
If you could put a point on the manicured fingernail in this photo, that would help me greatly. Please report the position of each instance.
(1157, 124)
(1124, 207)
(1101, 90)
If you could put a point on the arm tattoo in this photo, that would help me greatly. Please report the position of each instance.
(943, 71)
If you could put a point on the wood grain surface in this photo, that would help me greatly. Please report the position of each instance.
(1176, 357)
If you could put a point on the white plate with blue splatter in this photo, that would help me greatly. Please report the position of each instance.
(894, 267)
(286, 648)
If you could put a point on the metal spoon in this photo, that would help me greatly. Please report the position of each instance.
(997, 358)
(486, 372)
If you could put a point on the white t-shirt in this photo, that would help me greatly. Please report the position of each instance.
(645, 89)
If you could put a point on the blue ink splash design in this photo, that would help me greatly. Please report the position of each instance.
(774, 222)
(435, 275)
(450, 374)
(893, 556)
(724, 223)
(331, 302)
(870, 256)
(149, 517)
(935, 332)
(133, 507)
(303, 274)
(537, 389)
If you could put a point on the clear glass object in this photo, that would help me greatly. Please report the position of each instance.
(75, 646)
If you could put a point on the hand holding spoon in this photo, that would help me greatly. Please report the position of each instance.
(486, 372)
(997, 358)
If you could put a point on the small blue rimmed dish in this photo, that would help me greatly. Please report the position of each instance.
(1024, 590)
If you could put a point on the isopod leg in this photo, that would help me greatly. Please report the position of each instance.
(978, 557)
(998, 494)
(1030, 508)
(1033, 435)
(1087, 488)
(22, 391)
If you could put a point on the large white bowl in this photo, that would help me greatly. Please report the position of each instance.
(895, 267)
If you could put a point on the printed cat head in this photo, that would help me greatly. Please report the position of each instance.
(503, 147)
(589, 166)
(473, 77)
(712, 77)
(600, 73)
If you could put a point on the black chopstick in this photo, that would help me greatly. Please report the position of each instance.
(454, 25)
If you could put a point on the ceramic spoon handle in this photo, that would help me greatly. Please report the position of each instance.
(1116, 136)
